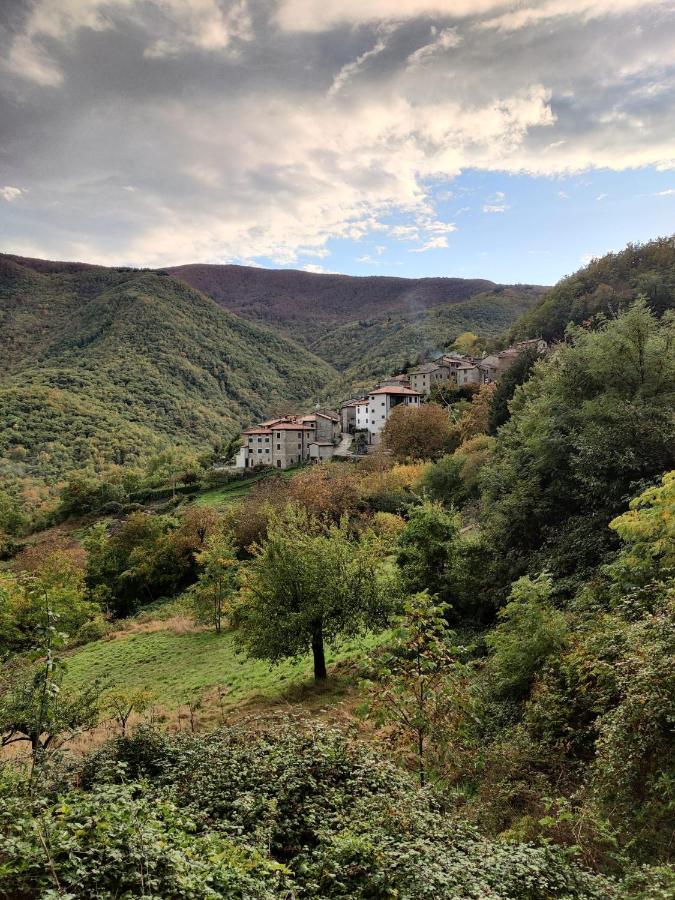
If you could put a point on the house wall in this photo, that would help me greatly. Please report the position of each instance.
(379, 408)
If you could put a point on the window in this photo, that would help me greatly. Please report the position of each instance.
(278, 446)
(267, 440)
(382, 404)
(278, 464)
(278, 435)
(267, 450)
(259, 450)
(383, 416)
(260, 440)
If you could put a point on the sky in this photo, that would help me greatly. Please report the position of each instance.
(505, 139)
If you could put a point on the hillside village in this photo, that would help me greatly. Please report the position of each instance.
(289, 440)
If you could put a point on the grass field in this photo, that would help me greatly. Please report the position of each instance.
(232, 493)
(177, 667)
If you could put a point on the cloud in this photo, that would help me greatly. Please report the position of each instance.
(312, 267)
(563, 196)
(496, 203)
(250, 130)
(348, 71)
(170, 27)
(444, 39)
(667, 193)
(601, 197)
(435, 243)
(10, 193)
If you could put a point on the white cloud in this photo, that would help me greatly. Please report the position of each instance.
(321, 15)
(445, 39)
(496, 203)
(10, 193)
(601, 197)
(667, 193)
(176, 26)
(348, 71)
(563, 196)
(312, 267)
(435, 243)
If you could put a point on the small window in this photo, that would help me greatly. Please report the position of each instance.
(382, 404)
(278, 446)
(259, 450)
(260, 440)
(267, 450)
(267, 440)
(383, 416)
(278, 464)
(278, 435)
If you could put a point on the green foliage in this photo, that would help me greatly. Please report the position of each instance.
(429, 552)
(106, 366)
(119, 840)
(217, 580)
(589, 426)
(278, 812)
(517, 373)
(606, 286)
(307, 585)
(529, 632)
(412, 684)
(22, 604)
(148, 556)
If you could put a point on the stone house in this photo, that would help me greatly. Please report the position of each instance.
(424, 377)
(381, 401)
(468, 373)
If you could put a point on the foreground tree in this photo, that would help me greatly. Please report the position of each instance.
(309, 586)
(412, 685)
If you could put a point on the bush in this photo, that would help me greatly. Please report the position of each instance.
(529, 632)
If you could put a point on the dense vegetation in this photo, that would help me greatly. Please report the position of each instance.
(507, 566)
(607, 285)
(365, 327)
(109, 365)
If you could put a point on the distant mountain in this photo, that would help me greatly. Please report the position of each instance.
(362, 325)
(605, 285)
(108, 364)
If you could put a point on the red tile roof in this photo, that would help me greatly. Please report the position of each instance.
(395, 389)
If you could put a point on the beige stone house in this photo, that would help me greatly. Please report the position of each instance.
(423, 378)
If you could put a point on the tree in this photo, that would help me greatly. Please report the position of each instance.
(34, 706)
(515, 375)
(530, 630)
(412, 684)
(594, 420)
(418, 433)
(122, 703)
(475, 419)
(216, 581)
(307, 586)
(429, 555)
(467, 343)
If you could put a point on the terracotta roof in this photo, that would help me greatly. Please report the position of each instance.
(291, 426)
(362, 403)
(330, 416)
(395, 389)
(256, 431)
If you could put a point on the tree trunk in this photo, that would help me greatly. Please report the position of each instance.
(320, 673)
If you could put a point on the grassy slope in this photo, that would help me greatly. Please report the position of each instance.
(105, 365)
(177, 667)
(230, 494)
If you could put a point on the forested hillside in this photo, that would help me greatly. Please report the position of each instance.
(363, 325)
(607, 285)
(105, 365)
